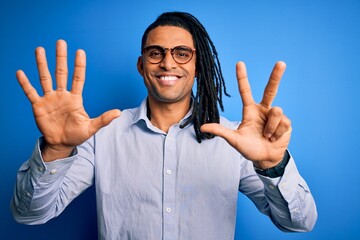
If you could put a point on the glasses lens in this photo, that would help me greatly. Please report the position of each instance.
(182, 54)
(154, 54)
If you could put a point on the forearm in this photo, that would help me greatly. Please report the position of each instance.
(43, 190)
(286, 200)
(290, 204)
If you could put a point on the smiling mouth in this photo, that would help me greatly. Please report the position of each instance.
(168, 78)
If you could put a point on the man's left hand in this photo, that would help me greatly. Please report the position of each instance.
(264, 132)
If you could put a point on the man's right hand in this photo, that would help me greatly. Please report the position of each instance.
(60, 114)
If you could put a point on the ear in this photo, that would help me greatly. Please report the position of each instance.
(140, 65)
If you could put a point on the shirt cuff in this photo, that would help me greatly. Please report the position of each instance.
(48, 171)
(276, 187)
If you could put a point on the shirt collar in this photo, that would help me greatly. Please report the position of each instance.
(141, 114)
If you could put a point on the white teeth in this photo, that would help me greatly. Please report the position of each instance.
(168, 78)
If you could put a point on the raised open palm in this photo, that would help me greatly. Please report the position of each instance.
(59, 114)
(264, 132)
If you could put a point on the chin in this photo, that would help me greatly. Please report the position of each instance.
(170, 99)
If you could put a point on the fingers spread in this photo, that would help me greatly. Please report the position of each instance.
(44, 74)
(61, 71)
(79, 72)
(273, 84)
(243, 83)
(28, 89)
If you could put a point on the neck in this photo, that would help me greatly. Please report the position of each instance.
(164, 115)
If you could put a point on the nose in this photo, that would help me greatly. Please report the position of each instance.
(168, 62)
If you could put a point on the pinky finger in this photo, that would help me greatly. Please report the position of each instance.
(284, 127)
(26, 86)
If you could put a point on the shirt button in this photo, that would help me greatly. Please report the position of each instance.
(41, 169)
(272, 187)
(168, 210)
(53, 171)
(168, 172)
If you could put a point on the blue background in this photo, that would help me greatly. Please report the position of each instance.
(319, 41)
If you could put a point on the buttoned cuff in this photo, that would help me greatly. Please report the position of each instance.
(48, 171)
(274, 186)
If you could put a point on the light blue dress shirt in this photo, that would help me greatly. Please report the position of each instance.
(156, 185)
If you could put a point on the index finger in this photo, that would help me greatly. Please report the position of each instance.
(243, 83)
(273, 84)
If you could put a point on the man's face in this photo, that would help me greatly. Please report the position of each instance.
(168, 81)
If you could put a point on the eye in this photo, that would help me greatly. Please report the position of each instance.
(183, 52)
(155, 53)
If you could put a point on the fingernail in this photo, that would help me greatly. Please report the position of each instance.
(40, 51)
(273, 139)
(81, 52)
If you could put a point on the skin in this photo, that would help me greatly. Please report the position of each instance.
(262, 137)
(264, 133)
(169, 100)
(59, 114)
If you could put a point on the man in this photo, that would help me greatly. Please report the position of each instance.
(171, 168)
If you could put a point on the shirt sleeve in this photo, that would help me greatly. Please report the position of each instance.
(44, 189)
(287, 200)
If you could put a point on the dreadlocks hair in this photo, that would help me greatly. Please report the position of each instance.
(210, 81)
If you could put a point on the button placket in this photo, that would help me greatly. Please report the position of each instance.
(170, 161)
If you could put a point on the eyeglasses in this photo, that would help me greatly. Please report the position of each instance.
(155, 54)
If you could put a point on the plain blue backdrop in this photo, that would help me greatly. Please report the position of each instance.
(319, 41)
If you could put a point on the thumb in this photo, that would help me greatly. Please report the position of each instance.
(219, 130)
(103, 120)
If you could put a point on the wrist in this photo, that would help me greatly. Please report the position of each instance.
(50, 153)
(275, 171)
